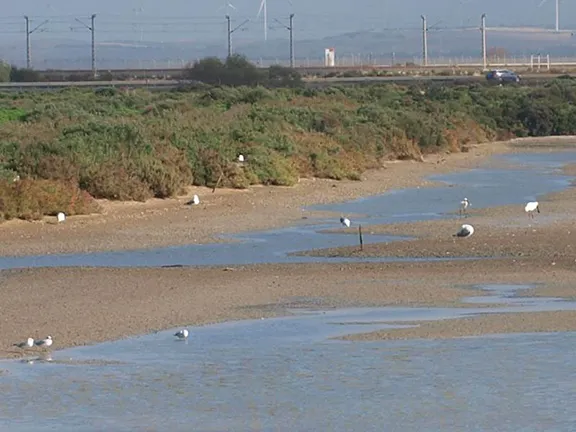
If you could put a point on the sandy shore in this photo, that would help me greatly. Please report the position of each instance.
(162, 223)
(88, 305)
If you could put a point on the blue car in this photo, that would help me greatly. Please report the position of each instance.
(502, 76)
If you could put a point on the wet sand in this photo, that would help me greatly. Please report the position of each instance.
(481, 325)
(162, 223)
(88, 305)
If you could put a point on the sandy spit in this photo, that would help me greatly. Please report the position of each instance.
(481, 325)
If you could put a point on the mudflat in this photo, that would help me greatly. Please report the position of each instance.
(87, 305)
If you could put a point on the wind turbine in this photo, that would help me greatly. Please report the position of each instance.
(557, 13)
(226, 6)
(263, 9)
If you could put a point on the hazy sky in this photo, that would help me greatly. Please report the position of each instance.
(172, 20)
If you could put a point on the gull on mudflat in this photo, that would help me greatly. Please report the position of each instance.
(28, 344)
(182, 334)
(530, 207)
(464, 204)
(465, 231)
(194, 201)
(45, 342)
(345, 221)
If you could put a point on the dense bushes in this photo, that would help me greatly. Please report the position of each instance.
(134, 144)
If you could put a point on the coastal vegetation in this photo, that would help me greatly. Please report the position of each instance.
(60, 150)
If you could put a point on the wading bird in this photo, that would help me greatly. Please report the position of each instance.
(465, 231)
(182, 334)
(464, 204)
(530, 207)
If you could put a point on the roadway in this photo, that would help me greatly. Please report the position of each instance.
(310, 82)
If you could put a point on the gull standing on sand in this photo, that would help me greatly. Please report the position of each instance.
(464, 204)
(530, 207)
(28, 344)
(465, 231)
(45, 342)
(345, 221)
(61, 217)
(194, 201)
(182, 334)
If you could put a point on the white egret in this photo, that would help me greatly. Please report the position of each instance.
(181, 334)
(464, 204)
(345, 221)
(28, 344)
(465, 231)
(61, 217)
(45, 342)
(530, 207)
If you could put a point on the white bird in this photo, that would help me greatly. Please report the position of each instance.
(530, 207)
(45, 342)
(240, 158)
(345, 221)
(464, 204)
(61, 217)
(181, 334)
(28, 344)
(465, 231)
(194, 201)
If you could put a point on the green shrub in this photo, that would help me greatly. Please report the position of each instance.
(136, 144)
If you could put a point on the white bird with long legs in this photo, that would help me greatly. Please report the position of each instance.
(531, 207)
(464, 204)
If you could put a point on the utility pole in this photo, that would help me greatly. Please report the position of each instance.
(290, 28)
(483, 31)
(28, 33)
(93, 42)
(424, 41)
(230, 31)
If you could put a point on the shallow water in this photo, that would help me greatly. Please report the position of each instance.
(285, 374)
(536, 175)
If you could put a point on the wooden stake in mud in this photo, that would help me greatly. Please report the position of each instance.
(218, 182)
(360, 236)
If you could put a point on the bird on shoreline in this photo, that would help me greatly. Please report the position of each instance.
(530, 207)
(464, 204)
(182, 334)
(345, 221)
(194, 201)
(28, 344)
(465, 231)
(45, 342)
